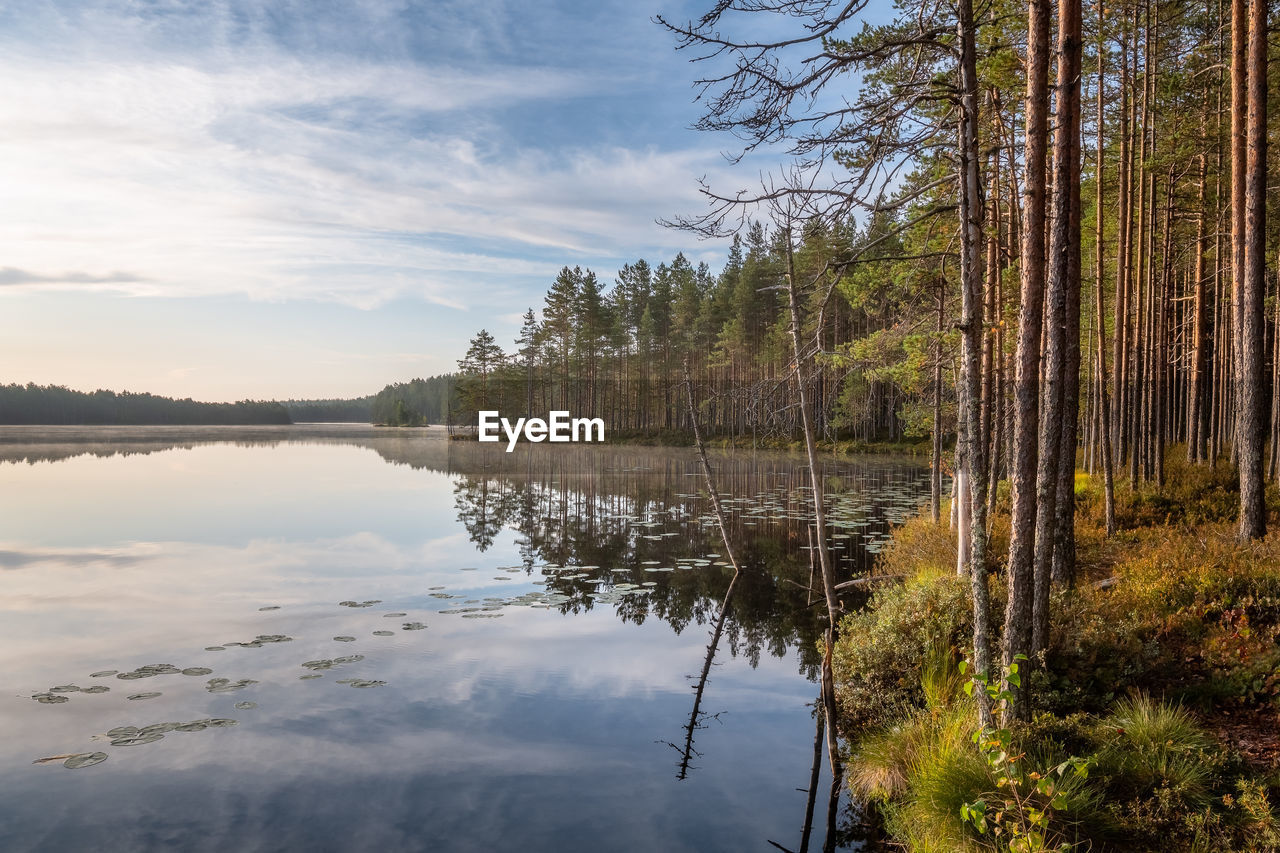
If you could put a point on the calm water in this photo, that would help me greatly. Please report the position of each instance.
(523, 635)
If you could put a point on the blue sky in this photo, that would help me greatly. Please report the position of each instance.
(270, 199)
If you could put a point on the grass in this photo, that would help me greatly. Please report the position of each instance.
(1171, 607)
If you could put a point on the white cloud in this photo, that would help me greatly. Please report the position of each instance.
(281, 178)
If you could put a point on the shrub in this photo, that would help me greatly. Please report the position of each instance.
(878, 656)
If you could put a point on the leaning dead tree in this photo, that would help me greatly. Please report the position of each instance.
(918, 98)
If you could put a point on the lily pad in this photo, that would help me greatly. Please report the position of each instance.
(197, 670)
(103, 673)
(84, 759)
(97, 688)
(226, 685)
(345, 639)
(246, 706)
(412, 626)
(218, 722)
(137, 740)
(384, 633)
(49, 698)
(150, 695)
(270, 607)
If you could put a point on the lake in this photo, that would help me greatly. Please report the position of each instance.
(340, 638)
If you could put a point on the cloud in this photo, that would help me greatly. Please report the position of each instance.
(14, 277)
(283, 172)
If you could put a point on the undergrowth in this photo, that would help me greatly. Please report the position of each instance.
(1170, 607)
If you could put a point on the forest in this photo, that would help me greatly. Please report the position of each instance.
(353, 410)
(1039, 233)
(54, 404)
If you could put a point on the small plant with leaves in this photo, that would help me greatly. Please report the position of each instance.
(1017, 814)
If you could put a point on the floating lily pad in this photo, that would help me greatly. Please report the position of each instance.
(97, 688)
(309, 677)
(137, 740)
(394, 615)
(384, 633)
(65, 688)
(246, 706)
(191, 727)
(103, 673)
(123, 731)
(215, 648)
(219, 722)
(412, 626)
(84, 759)
(270, 607)
(345, 639)
(226, 685)
(158, 728)
(150, 695)
(197, 670)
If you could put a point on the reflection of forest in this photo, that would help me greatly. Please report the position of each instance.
(616, 514)
(622, 513)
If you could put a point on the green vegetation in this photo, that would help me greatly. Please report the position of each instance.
(55, 404)
(356, 410)
(1162, 672)
(617, 352)
(416, 403)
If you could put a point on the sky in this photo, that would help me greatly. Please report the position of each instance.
(264, 199)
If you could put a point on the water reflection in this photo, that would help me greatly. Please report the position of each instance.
(491, 645)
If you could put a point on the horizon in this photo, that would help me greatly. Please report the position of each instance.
(225, 202)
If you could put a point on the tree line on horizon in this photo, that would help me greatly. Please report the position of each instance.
(34, 404)
(58, 405)
(618, 352)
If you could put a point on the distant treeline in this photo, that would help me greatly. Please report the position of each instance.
(417, 402)
(356, 411)
(55, 404)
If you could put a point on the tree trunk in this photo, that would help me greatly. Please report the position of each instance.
(1250, 388)
(1022, 464)
(1066, 185)
(971, 345)
(1064, 539)
(819, 515)
(1104, 412)
(1198, 417)
(935, 472)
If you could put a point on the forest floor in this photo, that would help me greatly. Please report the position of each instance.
(1171, 621)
